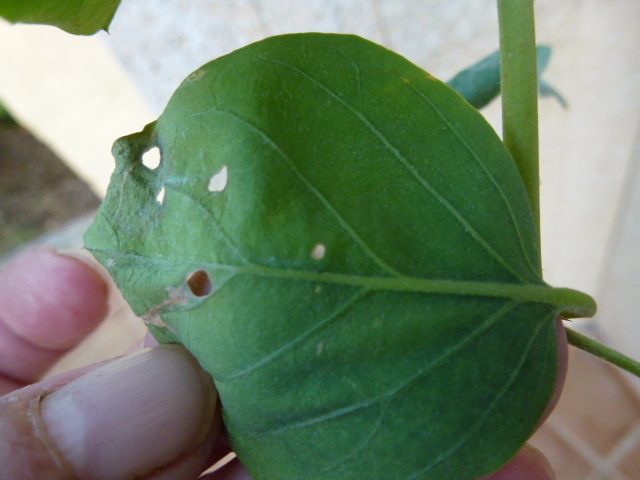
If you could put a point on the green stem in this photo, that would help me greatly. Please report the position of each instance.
(519, 84)
(519, 81)
(602, 351)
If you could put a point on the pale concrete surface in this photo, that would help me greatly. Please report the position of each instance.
(160, 42)
(72, 93)
(618, 291)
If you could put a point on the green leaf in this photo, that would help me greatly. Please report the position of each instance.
(377, 307)
(80, 17)
(544, 57)
(479, 84)
(548, 90)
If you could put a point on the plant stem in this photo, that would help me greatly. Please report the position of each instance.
(602, 351)
(519, 79)
(519, 84)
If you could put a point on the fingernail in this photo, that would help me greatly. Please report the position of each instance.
(131, 416)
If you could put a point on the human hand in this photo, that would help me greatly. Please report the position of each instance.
(151, 415)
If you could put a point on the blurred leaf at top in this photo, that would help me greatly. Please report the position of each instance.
(80, 17)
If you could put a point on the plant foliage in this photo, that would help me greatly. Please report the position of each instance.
(80, 17)
(347, 247)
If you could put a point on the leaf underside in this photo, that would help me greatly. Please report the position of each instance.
(378, 309)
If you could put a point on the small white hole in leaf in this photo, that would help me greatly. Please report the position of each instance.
(160, 196)
(318, 252)
(151, 158)
(219, 181)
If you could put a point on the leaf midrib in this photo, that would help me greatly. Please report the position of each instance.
(564, 299)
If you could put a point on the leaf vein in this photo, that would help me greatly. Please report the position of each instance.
(307, 183)
(468, 228)
(211, 217)
(360, 448)
(492, 179)
(296, 341)
(472, 431)
(484, 326)
(572, 302)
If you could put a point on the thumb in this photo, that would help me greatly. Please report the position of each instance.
(150, 415)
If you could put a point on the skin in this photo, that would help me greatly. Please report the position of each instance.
(48, 304)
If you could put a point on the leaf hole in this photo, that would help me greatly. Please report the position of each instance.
(318, 251)
(218, 182)
(200, 283)
(160, 196)
(152, 158)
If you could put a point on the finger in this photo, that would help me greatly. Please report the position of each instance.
(563, 360)
(48, 303)
(150, 415)
(221, 448)
(149, 340)
(234, 470)
(528, 464)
